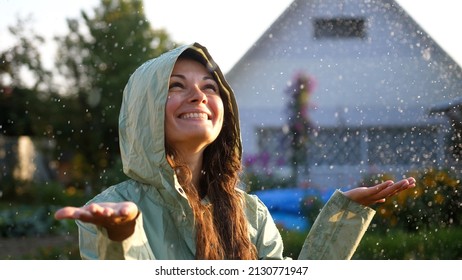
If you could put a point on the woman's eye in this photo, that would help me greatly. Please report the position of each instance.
(211, 88)
(175, 86)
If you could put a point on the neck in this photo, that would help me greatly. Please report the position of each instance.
(195, 166)
(194, 163)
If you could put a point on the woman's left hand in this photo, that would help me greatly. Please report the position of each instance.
(378, 193)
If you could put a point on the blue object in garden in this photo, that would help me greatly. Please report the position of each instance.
(285, 205)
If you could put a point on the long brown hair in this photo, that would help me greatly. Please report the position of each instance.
(221, 225)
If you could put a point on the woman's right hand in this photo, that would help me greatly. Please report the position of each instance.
(118, 218)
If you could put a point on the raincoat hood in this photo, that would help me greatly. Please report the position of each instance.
(142, 113)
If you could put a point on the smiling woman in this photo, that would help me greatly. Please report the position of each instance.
(181, 147)
(194, 109)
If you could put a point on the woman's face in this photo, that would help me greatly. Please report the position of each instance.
(194, 109)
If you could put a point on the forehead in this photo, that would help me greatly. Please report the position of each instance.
(190, 65)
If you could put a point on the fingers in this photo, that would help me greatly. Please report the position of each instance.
(129, 210)
(382, 186)
(100, 210)
(411, 181)
(379, 193)
(66, 213)
(405, 184)
(395, 188)
(100, 213)
(392, 189)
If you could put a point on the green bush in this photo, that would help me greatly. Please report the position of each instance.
(444, 244)
(293, 242)
(67, 252)
(434, 203)
(26, 220)
(49, 193)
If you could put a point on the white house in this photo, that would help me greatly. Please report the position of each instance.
(377, 76)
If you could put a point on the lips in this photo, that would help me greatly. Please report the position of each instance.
(195, 115)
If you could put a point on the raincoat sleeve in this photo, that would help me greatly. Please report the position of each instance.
(95, 244)
(338, 229)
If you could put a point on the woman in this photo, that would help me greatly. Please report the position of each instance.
(180, 145)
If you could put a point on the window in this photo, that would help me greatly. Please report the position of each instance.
(398, 146)
(329, 146)
(339, 28)
(272, 140)
(335, 146)
(343, 146)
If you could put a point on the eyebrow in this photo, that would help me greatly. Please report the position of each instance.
(184, 78)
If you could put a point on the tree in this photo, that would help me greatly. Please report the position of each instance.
(24, 99)
(96, 59)
(299, 124)
(21, 112)
(24, 56)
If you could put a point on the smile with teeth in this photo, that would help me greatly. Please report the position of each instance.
(201, 116)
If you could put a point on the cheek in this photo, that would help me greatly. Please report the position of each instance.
(170, 107)
(219, 111)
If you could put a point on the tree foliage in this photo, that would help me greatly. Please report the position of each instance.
(94, 62)
(97, 58)
(20, 113)
(23, 56)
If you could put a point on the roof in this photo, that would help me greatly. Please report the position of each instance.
(391, 75)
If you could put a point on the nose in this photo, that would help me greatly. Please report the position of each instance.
(197, 95)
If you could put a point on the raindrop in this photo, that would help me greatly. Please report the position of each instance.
(426, 54)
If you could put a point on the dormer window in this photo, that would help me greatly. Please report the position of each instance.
(340, 28)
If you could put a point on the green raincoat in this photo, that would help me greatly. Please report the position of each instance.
(165, 229)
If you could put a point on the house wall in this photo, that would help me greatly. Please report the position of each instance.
(389, 78)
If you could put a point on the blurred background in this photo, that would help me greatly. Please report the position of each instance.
(63, 67)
